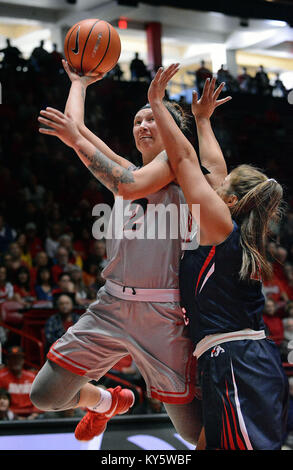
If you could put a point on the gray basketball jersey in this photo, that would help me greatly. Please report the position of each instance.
(146, 237)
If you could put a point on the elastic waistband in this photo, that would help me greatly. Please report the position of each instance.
(141, 295)
(213, 340)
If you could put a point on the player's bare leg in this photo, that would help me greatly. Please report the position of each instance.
(56, 388)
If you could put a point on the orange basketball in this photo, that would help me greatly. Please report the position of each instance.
(92, 46)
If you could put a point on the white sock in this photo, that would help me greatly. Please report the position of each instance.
(104, 404)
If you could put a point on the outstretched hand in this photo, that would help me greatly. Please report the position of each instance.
(84, 79)
(59, 125)
(208, 102)
(159, 83)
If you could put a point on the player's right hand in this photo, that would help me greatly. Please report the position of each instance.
(59, 125)
(84, 79)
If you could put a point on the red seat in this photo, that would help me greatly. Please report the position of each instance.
(10, 312)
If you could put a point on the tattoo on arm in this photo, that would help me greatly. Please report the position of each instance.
(83, 93)
(107, 172)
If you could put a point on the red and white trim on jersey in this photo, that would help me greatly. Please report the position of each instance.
(66, 362)
(211, 341)
(189, 392)
(204, 267)
(234, 435)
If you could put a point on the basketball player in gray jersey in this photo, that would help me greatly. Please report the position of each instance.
(137, 312)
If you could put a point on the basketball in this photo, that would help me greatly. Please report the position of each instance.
(92, 46)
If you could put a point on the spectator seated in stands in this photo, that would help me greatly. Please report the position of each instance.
(16, 261)
(52, 240)
(6, 414)
(64, 286)
(6, 288)
(273, 323)
(41, 260)
(89, 273)
(18, 381)
(57, 324)
(83, 242)
(62, 263)
(23, 291)
(44, 285)
(25, 253)
(74, 258)
(34, 242)
(98, 254)
(81, 292)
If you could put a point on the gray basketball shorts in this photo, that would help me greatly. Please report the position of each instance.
(154, 334)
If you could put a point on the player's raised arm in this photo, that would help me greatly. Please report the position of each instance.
(215, 218)
(121, 181)
(75, 108)
(210, 152)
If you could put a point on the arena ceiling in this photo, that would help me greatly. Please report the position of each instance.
(244, 27)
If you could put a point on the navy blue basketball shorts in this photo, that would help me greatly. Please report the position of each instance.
(245, 396)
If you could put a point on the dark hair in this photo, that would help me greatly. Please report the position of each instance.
(177, 113)
(5, 393)
(39, 278)
(23, 269)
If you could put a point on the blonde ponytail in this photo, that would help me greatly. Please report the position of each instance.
(259, 200)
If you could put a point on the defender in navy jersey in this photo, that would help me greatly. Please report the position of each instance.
(244, 387)
(225, 320)
(216, 299)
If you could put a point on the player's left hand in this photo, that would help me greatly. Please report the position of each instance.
(59, 125)
(208, 102)
(159, 83)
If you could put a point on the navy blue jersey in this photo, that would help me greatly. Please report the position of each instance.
(214, 297)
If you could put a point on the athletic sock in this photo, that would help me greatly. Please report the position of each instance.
(104, 404)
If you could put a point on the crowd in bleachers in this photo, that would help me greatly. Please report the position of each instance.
(49, 258)
(257, 84)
